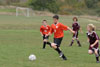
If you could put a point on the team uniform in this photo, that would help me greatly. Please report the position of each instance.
(92, 38)
(45, 30)
(76, 28)
(58, 32)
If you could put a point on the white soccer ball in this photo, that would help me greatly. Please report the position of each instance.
(32, 57)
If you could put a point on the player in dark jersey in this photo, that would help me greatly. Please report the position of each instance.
(93, 40)
(76, 28)
(57, 28)
(45, 30)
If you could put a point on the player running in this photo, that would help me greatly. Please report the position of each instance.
(76, 28)
(93, 39)
(45, 30)
(57, 28)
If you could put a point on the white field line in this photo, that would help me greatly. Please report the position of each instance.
(93, 21)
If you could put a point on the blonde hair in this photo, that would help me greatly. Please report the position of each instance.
(92, 27)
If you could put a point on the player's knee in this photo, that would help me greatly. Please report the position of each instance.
(53, 45)
(90, 52)
(73, 38)
(96, 52)
(76, 38)
(45, 40)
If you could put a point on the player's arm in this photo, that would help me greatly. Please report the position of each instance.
(51, 30)
(41, 31)
(88, 40)
(97, 40)
(81, 30)
(67, 28)
(94, 43)
(71, 30)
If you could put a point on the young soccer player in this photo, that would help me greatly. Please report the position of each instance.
(76, 28)
(45, 30)
(93, 39)
(57, 28)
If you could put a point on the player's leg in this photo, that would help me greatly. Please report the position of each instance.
(58, 50)
(56, 45)
(78, 42)
(47, 42)
(97, 55)
(44, 43)
(72, 41)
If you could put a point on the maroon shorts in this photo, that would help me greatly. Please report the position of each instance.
(75, 35)
(95, 47)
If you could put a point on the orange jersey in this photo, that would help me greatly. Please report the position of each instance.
(58, 30)
(45, 30)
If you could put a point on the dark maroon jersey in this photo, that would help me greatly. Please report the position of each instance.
(76, 26)
(92, 38)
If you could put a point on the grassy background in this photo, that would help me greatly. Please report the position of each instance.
(20, 37)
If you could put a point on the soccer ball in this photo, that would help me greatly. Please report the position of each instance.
(32, 57)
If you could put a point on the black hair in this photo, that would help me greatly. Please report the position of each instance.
(56, 16)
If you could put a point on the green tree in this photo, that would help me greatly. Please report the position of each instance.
(91, 3)
(50, 5)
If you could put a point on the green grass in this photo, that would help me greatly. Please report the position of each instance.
(7, 10)
(20, 37)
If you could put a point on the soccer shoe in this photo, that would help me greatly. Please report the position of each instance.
(80, 46)
(62, 56)
(97, 61)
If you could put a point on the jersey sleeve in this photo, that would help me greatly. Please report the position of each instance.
(51, 29)
(96, 36)
(78, 26)
(40, 29)
(64, 27)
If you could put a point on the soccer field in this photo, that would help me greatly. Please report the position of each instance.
(20, 37)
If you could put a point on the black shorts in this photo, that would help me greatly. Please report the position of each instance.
(58, 41)
(75, 35)
(45, 37)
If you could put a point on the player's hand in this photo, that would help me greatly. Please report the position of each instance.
(46, 35)
(92, 45)
(73, 32)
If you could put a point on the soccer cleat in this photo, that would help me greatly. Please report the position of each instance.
(97, 61)
(62, 56)
(80, 46)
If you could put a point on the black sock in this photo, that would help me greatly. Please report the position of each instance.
(58, 50)
(97, 58)
(49, 43)
(44, 45)
(72, 43)
(78, 42)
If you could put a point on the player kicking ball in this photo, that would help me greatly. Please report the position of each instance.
(57, 28)
(93, 39)
(76, 28)
(45, 30)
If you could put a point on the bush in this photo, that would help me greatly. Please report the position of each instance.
(50, 5)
